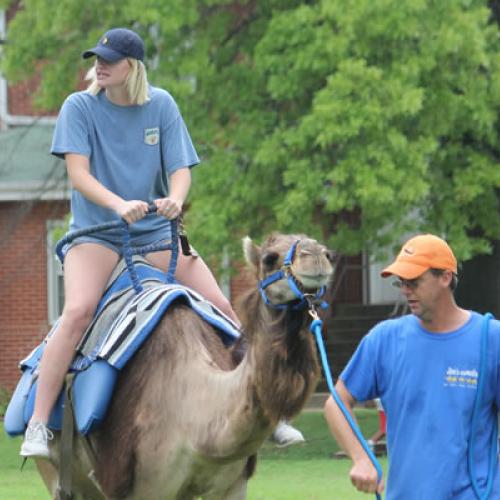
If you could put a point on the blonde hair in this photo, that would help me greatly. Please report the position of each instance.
(136, 83)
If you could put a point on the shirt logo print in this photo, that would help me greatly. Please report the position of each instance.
(152, 136)
(457, 377)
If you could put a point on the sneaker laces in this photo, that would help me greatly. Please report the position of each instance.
(39, 427)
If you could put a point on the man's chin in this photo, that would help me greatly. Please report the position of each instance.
(417, 311)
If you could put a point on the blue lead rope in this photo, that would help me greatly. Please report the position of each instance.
(315, 328)
(483, 363)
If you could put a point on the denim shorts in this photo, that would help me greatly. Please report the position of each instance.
(111, 244)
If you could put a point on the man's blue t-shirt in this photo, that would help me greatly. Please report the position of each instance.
(427, 384)
(131, 149)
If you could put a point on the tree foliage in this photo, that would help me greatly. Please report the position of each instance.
(357, 121)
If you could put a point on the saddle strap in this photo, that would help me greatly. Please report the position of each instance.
(64, 488)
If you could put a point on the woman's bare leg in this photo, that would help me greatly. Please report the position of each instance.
(194, 273)
(87, 268)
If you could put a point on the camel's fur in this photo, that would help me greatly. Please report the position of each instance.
(188, 414)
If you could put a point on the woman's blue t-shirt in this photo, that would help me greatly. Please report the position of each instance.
(131, 149)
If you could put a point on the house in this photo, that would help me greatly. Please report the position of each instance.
(33, 201)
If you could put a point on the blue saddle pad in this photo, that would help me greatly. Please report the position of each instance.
(123, 321)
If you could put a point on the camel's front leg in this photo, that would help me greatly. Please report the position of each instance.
(49, 474)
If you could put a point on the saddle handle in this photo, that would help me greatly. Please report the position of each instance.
(127, 249)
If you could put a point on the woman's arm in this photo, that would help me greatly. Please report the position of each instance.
(83, 181)
(179, 184)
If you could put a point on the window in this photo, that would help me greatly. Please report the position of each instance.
(55, 281)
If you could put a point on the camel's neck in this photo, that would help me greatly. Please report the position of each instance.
(281, 360)
(273, 381)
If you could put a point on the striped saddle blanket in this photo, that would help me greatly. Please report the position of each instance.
(123, 321)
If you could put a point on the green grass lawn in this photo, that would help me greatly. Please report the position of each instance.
(14, 484)
(309, 471)
(306, 471)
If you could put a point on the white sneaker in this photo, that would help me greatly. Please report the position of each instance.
(285, 435)
(36, 441)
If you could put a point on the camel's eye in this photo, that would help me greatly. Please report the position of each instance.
(270, 259)
(331, 255)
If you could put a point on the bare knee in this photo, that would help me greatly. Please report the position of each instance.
(76, 318)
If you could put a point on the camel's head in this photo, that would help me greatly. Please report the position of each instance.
(283, 261)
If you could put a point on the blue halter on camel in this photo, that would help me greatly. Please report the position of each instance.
(285, 272)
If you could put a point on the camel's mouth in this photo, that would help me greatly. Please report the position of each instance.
(309, 284)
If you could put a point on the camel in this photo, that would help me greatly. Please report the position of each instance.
(189, 414)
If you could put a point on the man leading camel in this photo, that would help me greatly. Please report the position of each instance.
(424, 367)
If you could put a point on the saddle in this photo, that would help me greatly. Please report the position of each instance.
(123, 321)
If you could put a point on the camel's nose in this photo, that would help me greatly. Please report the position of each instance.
(310, 247)
(315, 256)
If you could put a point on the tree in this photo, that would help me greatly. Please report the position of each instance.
(359, 120)
(386, 108)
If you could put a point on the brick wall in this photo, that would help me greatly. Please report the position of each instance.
(241, 282)
(23, 281)
(20, 98)
(20, 94)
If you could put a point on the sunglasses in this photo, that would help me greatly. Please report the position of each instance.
(411, 284)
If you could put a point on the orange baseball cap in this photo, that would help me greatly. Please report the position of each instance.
(419, 254)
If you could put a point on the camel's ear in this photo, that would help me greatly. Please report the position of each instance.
(251, 252)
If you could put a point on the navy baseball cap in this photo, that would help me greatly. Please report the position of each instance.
(117, 44)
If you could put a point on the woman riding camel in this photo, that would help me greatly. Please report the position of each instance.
(125, 145)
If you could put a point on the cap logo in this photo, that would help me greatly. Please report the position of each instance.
(105, 40)
(408, 250)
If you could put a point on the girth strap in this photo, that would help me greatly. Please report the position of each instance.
(64, 488)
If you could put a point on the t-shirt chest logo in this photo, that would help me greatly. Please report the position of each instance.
(460, 377)
(152, 136)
